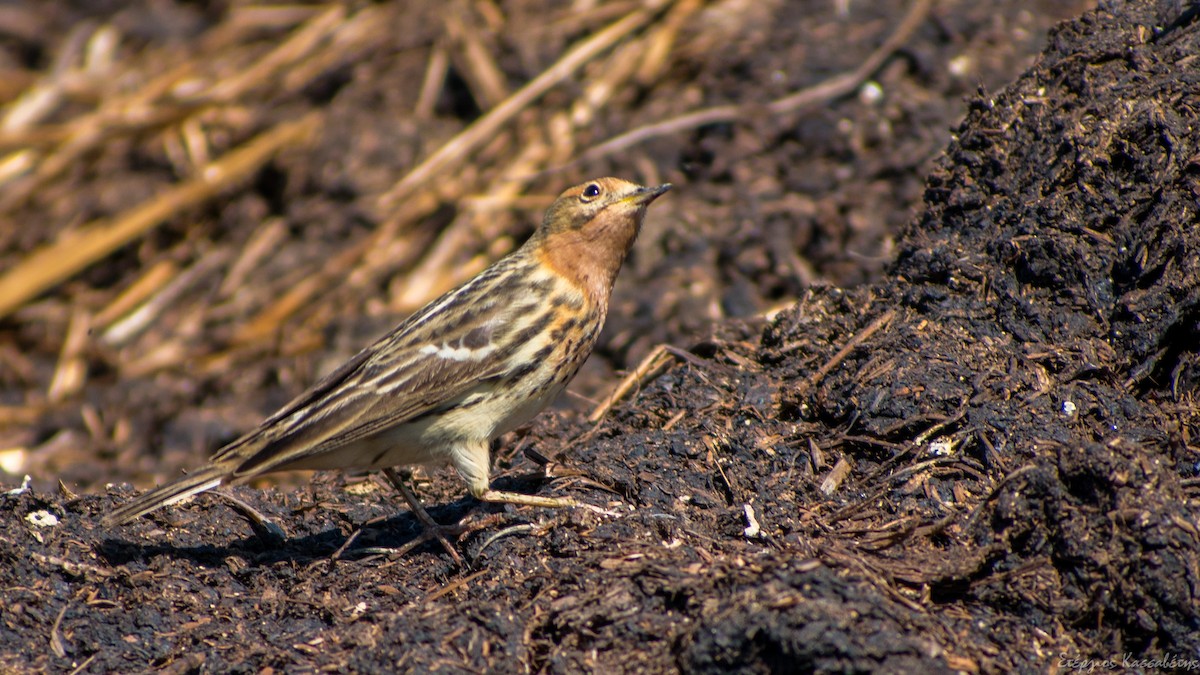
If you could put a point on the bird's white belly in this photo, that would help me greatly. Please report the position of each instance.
(490, 417)
(432, 439)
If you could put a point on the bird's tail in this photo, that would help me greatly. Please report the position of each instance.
(203, 479)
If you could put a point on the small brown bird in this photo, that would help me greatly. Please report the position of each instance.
(474, 364)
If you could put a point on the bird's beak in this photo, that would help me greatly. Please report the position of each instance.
(645, 195)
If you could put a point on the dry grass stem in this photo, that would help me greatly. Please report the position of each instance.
(649, 368)
(60, 260)
(459, 148)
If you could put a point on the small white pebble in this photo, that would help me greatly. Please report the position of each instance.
(960, 66)
(1069, 408)
(752, 526)
(21, 490)
(870, 93)
(941, 448)
(42, 519)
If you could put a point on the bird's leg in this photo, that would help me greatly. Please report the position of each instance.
(472, 463)
(432, 528)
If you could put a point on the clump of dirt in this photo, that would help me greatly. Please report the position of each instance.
(980, 461)
(1040, 331)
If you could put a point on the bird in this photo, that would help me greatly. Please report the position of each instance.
(474, 364)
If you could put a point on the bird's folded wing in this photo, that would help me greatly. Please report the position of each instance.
(378, 389)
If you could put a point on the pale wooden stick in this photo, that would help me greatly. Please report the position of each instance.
(645, 371)
(431, 86)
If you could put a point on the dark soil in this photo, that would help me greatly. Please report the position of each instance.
(961, 440)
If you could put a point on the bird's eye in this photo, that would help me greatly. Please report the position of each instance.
(591, 192)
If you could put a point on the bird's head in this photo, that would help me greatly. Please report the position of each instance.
(590, 228)
(600, 207)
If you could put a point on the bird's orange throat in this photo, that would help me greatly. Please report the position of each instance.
(589, 258)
